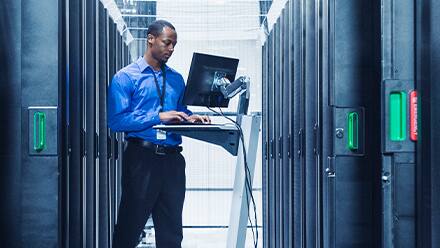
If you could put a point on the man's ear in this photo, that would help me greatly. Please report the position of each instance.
(150, 39)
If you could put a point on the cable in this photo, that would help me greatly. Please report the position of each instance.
(248, 180)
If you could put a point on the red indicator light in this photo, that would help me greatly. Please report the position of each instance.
(413, 115)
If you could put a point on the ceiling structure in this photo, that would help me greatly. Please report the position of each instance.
(197, 19)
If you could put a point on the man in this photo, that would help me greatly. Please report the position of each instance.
(141, 95)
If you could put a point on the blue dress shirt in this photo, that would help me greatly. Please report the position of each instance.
(134, 103)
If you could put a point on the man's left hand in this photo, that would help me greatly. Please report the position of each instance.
(199, 118)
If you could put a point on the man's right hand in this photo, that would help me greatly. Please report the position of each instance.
(173, 116)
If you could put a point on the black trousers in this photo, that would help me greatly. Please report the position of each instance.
(151, 184)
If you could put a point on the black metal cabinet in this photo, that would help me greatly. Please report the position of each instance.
(296, 67)
(277, 125)
(284, 152)
(286, 137)
(319, 171)
(398, 148)
(89, 112)
(311, 174)
(428, 144)
(350, 131)
(39, 73)
(104, 224)
(272, 143)
(265, 141)
(93, 52)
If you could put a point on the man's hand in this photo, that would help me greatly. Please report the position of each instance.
(173, 117)
(198, 118)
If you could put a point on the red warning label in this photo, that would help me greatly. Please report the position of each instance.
(413, 115)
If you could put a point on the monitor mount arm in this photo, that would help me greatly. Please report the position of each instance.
(229, 90)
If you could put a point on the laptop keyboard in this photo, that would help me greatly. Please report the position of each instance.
(189, 123)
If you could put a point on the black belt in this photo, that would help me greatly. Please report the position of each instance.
(158, 149)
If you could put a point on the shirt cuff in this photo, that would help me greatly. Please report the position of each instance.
(155, 120)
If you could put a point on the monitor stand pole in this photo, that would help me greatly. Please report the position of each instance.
(238, 219)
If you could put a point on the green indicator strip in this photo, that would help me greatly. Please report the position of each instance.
(39, 131)
(398, 116)
(353, 131)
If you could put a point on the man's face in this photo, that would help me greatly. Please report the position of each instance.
(162, 46)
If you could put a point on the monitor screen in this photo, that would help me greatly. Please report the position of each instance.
(204, 80)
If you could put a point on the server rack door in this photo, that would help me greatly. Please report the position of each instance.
(74, 124)
(317, 129)
(398, 160)
(119, 136)
(291, 150)
(104, 233)
(118, 50)
(350, 168)
(280, 135)
(297, 68)
(112, 136)
(38, 56)
(326, 124)
(428, 185)
(271, 161)
(311, 176)
(265, 140)
(89, 122)
(277, 134)
(10, 107)
(63, 127)
(118, 140)
(286, 136)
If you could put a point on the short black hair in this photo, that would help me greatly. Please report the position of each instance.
(156, 28)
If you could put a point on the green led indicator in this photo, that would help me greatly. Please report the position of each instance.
(398, 116)
(353, 131)
(39, 131)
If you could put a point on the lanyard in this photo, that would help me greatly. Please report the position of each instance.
(161, 94)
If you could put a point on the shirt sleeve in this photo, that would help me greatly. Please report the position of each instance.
(120, 116)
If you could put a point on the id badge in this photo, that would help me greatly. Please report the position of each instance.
(161, 134)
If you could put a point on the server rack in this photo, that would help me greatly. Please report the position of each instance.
(271, 163)
(310, 173)
(324, 178)
(277, 125)
(72, 195)
(350, 109)
(287, 166)
(10, 106)
(90, 174)
(113, 143)
(38, 55)
(297, 74)
(104, 223)
(283, 154)
(398, 146)
(93, 52)
(264, 102)
(427, 77)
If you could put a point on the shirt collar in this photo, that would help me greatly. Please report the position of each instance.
(142, 63)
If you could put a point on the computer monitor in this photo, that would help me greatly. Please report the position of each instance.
(205, 78)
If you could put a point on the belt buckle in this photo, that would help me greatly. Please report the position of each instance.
(160, 150)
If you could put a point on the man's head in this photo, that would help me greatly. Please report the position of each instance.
(161, 40)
